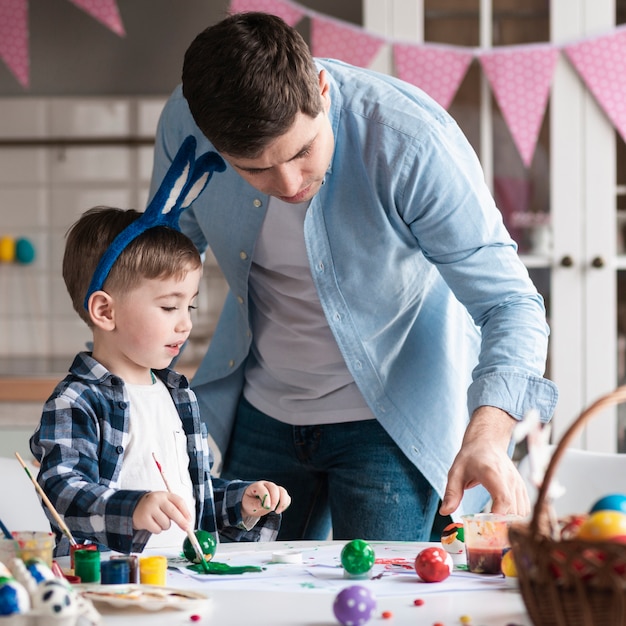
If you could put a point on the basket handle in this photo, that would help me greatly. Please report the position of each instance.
(610, 399)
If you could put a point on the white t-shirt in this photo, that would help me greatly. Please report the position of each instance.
(296, 372)
(155, 427)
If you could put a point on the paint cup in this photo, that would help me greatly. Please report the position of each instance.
(87, 565)
(133, 565)
(114, 572)
(80, 546)
(152, 570)
(486, 540)
(32, 544)
(7, 550)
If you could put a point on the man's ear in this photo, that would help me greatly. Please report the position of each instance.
(101, 310)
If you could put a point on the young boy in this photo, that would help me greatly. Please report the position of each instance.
(120, 404)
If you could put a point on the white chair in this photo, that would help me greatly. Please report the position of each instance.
(586, 477)
(20, 506)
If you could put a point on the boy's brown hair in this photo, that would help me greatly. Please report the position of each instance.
(159, 252)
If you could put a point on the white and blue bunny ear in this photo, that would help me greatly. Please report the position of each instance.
(183, 183)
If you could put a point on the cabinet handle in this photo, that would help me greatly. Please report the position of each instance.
(567, 261)
(597, 261)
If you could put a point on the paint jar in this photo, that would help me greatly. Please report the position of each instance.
(152, 570)
(133, 565)
(7, 550)
(34, 545)
(486, 540)
(80, 546)
(87, 565)
(114, 572)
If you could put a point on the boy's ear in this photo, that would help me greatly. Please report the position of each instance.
(100, 308)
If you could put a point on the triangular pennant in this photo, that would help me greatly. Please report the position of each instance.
(601, 63)
(289, 12)
(105, 11)
(438, 70)
(14, 38)
(520, 78)
(338, 40)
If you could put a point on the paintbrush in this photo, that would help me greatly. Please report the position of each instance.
(46, 501)
(5, 530)
(195, 544)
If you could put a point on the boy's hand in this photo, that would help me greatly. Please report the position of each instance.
(262, 497)
(157, 510)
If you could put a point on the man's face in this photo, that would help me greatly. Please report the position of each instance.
(293, 166)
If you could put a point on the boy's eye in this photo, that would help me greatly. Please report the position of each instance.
(168, 308)
(192, 307)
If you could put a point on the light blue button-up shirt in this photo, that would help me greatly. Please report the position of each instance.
(419, 280)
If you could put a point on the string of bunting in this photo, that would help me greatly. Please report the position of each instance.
(520, 76)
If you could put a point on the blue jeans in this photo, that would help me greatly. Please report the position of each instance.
(349, 476)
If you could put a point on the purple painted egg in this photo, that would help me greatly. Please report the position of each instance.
(354, 605)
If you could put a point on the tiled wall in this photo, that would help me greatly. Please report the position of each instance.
(44, 187)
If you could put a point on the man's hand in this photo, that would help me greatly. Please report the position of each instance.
(157, 510)
(483, 459)
(262, 497)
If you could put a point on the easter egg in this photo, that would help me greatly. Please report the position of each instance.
(7, 249)
(207, 543)
(433, 565)
(24, 251)
(354, 605)
(603, 525)
(611, 502)
(453, 538)
(570, 525)
(508, 565)
(54, 597)
(13, 597)
(39, 570)
(357, 557)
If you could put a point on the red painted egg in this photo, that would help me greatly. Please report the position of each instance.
(433, 565)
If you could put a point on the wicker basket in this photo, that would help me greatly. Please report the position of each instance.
(569, 582)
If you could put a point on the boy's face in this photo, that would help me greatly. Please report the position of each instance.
(151, 323)
(293, 166)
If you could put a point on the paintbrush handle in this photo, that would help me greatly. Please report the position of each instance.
(46, 501)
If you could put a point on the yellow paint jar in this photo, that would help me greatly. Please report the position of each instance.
(153, 570)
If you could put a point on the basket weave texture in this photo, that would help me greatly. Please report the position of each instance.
(569, 582)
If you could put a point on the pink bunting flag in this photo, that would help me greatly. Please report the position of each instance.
(438, 70)
(601, 63)
(520, 78)
(105, 11)
(289, 12)
(338, 40)
(14, 38)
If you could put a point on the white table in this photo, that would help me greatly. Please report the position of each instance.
(296, 600)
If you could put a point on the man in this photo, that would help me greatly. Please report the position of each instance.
(376, 300)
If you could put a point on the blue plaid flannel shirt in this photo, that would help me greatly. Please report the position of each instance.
(80, 442)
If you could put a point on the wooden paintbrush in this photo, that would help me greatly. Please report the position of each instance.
(192, 536)
(46, 501)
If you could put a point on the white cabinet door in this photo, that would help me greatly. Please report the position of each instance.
(576, 267)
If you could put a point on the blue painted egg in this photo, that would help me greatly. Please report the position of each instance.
(24, 251)
(611, 502)
(39, 570)
(13, 598)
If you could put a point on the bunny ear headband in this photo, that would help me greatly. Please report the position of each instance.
(183, 183)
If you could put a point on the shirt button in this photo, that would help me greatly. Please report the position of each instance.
(320, 266)
(231, 363)
(257, 203)
(119, 449)
(122, 405)
(240, 299)
(243, 256)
